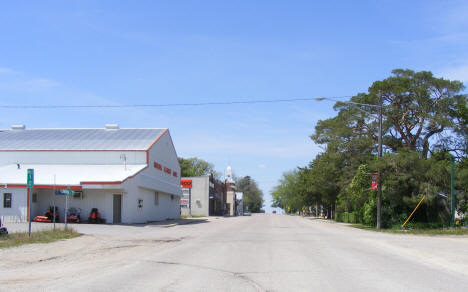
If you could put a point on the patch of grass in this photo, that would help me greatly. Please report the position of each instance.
(438, 231)
(192, 216)
(46, 236)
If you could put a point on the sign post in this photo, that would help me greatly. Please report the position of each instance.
(375, 181)
(66, 205)
(54, 200)
(30, 185)
(452, 193)
(66, 193)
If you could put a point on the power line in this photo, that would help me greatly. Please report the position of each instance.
(109, 106)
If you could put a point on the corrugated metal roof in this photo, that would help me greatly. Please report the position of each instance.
(78, 139)
(67, 174)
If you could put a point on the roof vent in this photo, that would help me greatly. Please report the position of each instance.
(18, 127)
(112, 126)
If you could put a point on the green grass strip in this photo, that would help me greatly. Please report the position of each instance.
(46, 236)
(439, 231)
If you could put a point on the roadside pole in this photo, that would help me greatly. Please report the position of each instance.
(379, 186)
(452, 193)
(66, 206)
(190, 201)
(54, 200)
(30, 185)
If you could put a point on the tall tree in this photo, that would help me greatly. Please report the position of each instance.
(195, 167)
(253, 196)
(421, 113)
(424, 121)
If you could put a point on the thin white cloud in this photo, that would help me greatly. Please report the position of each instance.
(5, 70)
(13, 80)
(39, 83)
(262, 166)
(455, 73)
(280, 149)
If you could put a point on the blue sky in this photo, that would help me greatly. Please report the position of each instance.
(140, 52)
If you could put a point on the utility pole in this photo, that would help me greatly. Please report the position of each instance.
(452, 193)
(379, 186)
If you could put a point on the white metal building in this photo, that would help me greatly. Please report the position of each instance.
(130, 175)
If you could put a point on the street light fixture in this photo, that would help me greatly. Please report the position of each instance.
(379, 149)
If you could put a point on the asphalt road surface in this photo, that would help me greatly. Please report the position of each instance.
(257, 253)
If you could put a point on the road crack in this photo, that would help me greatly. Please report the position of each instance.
(242, 276)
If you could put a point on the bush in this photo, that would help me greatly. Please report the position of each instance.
(369, 212)
(426, 225)
(339, 217)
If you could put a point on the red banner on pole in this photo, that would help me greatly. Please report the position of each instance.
(375, 181)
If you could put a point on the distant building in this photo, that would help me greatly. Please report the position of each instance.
(230, 192)
(203, 196)
(130, 175)
(240, 203)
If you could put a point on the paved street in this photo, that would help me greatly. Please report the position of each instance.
(257, 253)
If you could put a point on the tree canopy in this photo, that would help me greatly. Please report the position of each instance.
(253, 196)
(195, 167)
(424, 122)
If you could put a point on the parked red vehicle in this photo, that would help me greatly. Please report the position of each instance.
(48, 216)
(73, 215)
(95, 216)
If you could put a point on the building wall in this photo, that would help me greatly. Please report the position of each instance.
(218, 190)
(162, 153)
(152, 179)
(231, 200)
(199, 196)
(18, 210)
(101, 199)
(168, 207)
(72, 157)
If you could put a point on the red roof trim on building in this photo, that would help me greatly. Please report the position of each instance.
(44, 186)
(156, 140)
(101, 182)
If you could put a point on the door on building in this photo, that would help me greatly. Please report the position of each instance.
(117, 217)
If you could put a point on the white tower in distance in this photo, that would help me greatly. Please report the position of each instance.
(230, 192)
(228, 175)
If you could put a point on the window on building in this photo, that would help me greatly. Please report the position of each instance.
(78, 194)
(34, 198)
(7, 200)
(156, 199)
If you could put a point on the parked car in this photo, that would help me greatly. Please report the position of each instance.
(247, 213)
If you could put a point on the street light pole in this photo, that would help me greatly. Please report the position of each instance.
(452, 192)
(379, 149)
(379, 186)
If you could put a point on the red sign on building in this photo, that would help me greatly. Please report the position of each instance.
(157, 165)
(375, 181)
(186, 183)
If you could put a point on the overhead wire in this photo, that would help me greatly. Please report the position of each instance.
(110, 106)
